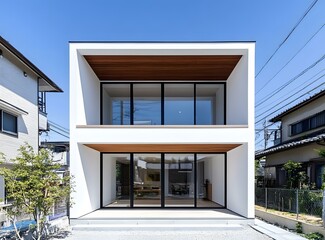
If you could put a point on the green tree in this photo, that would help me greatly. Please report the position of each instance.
(34, 187)
(295, 177)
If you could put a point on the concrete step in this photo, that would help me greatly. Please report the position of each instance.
(156, 227)
(151, 221)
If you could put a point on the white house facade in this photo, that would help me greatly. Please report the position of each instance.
(22, 102)
(162, 125)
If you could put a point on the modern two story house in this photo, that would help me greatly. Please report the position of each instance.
(302, 133)
(23, 89)
(162, 125)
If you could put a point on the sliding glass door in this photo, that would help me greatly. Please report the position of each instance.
(147, 180)
(179, 180)
(170, 180)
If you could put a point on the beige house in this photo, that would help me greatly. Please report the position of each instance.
(302, 133)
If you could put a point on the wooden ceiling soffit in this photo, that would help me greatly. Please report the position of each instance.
(151, 68)
(163, 148)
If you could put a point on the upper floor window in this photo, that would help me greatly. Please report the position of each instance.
(8, 123)
(315, 121)
(163, 104)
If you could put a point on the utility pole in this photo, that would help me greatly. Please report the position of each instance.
(266, 134)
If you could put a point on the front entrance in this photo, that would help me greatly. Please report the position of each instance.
(163, 180)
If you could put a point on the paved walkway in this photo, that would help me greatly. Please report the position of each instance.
(244, 233)
(260, 231)
(275, 232)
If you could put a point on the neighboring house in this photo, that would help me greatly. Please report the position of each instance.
(302, 133)
(61, 155)
(23, 114)
(162, 125)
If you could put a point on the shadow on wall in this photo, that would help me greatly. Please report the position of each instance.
(88, 179)
(90, 89)
(22, 128)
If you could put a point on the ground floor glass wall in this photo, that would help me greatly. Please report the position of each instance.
(163, 180)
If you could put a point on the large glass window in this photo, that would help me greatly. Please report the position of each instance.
(116, 104)
(163, 180)
(147, 104)
(210, 180)
(163, 104)
(147, 177)
(179, 180)
(116, 180)
(179, 104)
(209, 104)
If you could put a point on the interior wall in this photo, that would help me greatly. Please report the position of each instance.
(106, 104)
(214, 171)
(220, 111)
(109, 179)
(85, 169)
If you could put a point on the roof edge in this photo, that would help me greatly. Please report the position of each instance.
(297, 106)
(29, 64)
(83, 41)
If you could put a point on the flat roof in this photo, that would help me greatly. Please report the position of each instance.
(162, 41)
(47, 84)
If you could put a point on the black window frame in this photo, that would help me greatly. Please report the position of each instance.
(162, 86)
(162, 182)
(307, 124)
(2, 130)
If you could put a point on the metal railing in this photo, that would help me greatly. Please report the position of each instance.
(309, 202)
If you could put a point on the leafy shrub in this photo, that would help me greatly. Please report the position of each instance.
(299, 227)
(314, 236)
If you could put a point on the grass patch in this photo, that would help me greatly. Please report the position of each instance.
(302, 217)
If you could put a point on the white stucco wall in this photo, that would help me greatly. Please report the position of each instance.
(237, 98)
(300, 114)
(240, 181)
(87, 179)
(84, 110)
(21, 92)
(109, 179)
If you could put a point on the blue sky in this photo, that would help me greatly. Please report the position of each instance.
(41, 30)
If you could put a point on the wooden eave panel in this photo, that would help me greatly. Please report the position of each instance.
(163, 67)
(163, 148)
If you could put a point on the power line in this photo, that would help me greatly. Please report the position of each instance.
(53, 123)
(276, 91)
(268, 81)
(287, 37)
(58, 125)
(287, 103)
(298, 87)
(58, 132)
(58, 129)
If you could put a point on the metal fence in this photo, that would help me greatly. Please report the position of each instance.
(296, 201)
(60, 209)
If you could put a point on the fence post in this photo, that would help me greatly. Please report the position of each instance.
(265, 199)
(297, 204)
(323, 210)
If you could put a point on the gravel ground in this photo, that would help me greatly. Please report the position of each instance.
(245, 233)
